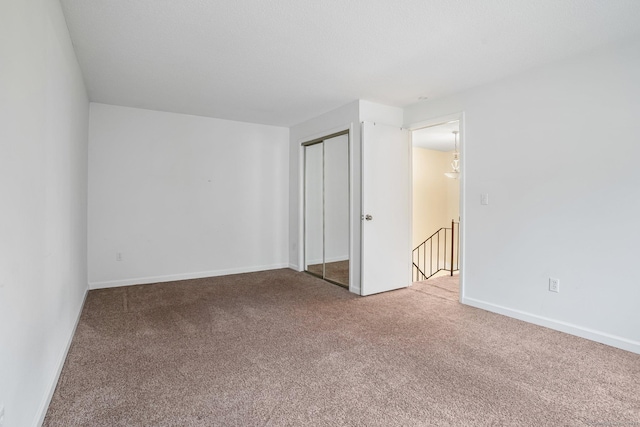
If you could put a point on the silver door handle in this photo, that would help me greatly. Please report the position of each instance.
(368, 217)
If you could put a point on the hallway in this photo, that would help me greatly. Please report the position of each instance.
(442, 285)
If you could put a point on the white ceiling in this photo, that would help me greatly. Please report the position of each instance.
(281, 62)
(438, 137)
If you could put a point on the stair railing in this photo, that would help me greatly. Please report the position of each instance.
(440, 251)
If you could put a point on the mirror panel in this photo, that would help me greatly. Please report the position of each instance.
(326, 208)
(313, 210)
(336, 209)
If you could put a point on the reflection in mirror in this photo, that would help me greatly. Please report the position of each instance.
(336, 209)
(313, 238)
(326, 209)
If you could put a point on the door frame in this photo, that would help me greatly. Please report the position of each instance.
(304, 145)
(311, 140)
(460, 117)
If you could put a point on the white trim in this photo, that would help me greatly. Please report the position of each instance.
(301, 202)
(361, 242)
(462, 224)
(411, 207)
(460, 118)
(183, 276)
(44, 406)
(436, 121)
(294, 267)
(353, 286)
(568, 328)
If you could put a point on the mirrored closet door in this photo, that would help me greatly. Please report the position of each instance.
(326, 208)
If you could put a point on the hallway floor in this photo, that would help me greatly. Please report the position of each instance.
(442, 285)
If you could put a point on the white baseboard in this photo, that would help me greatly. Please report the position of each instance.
(44, 406)
(590, 334)
(182, 276)
(295, 267)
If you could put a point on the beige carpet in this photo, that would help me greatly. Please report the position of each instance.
(283, 348)
(444, 286)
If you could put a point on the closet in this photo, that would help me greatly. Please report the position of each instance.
(326, 208)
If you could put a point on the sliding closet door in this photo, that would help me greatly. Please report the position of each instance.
(326, 208)
(336, 209)
(313, 210)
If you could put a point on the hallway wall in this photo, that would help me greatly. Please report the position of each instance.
(436, 198)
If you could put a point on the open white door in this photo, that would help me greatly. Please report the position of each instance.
(386, 246)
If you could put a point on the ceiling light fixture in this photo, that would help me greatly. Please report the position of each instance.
(455, 164)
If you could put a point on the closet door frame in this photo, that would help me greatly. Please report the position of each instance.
(304, 146)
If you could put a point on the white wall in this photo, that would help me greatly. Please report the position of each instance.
(43, 179)
(346, 117)
(557, 149)
(182, 196)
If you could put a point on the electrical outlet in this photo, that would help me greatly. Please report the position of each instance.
(118, 256)
(554, 284)
(484, 199)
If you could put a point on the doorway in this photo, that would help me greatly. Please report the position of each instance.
(327, 208)
(436, 242)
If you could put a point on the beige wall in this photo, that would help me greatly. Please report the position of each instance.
(435, 197)
(453, 195)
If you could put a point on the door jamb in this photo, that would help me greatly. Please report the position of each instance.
(460, 117)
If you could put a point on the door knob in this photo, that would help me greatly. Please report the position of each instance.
(368, 217)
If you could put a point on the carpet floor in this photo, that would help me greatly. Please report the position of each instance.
(445, 286)
(282, 348)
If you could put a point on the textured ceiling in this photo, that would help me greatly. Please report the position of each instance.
(281, 62)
